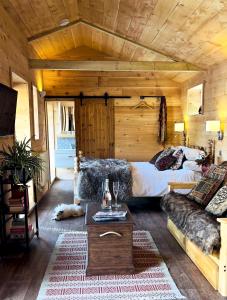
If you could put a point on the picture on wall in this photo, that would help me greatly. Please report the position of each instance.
(195, 100)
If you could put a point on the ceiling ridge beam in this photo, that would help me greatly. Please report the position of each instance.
(157, 66)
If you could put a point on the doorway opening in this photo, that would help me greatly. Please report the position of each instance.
(61, 138)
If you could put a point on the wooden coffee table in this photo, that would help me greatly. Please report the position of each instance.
(109, 244)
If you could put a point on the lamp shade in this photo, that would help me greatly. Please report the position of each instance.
(179, 127)
(213, 126)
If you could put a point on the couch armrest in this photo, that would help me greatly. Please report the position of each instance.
(181, 185)
(222, 220)
(222, 288)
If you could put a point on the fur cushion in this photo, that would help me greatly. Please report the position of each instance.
(204, 190)
(93, 172)
(155, 157)
(64, 211)
(218, 205)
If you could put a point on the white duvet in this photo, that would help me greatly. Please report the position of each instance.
(148, 181)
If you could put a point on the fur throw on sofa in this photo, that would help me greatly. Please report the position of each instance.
(93, 173)
(197, 224)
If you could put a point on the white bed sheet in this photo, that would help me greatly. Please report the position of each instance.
(148, 181)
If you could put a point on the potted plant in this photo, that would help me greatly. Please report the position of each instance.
(24, 164)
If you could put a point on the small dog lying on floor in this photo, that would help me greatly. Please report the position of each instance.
(64, 211)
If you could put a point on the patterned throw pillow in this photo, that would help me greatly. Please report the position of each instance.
(217, 172)
(165, 152)
(180, 157)
(165, 163)
(218, 205)
(155, 157)
(204, 190)
(166, 160)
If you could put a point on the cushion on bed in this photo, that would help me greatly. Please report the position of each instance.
(218, 204)
(204, 190)
(165, 159)
(155, 157)
(197, 224)
(193, 154)
(192, 165)
(217, 172)
(165, 162)
(180, 158)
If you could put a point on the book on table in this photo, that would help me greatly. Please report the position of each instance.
(102, 216)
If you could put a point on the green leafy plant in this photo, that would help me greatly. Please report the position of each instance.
(24, 163)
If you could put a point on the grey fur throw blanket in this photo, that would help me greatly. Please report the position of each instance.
(93, 173)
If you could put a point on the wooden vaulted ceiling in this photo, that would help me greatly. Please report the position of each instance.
(188, 30)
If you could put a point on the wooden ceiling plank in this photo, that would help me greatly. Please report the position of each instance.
(25, 11)
(111, 66)
(191, 33)
(161, 12)
(72, 10)
(84, 9)
(124, 38)
(110, 13)
(42, 9)
(57, 10)
(86, 35)
(16, 17)
(174, 23)
(76, 35)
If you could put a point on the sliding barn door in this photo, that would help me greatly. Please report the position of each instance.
(95, 128)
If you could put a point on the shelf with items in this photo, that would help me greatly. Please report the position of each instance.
(14, 207)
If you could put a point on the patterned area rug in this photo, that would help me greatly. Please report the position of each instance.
(65, 276)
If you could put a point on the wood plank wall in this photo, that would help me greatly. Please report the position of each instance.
(136, 131)
(14, 58)
(215, 101)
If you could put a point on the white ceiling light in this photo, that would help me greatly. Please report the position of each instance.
(64, 22)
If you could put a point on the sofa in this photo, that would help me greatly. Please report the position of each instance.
(202, 235)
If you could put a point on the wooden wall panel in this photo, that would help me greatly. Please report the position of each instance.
(214, 109)
(136, 131)
(14, 57)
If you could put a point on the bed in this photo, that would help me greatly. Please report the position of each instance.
(148, 181)
(139, 179)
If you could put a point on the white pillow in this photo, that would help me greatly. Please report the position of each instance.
(191, 153)
(192, 165)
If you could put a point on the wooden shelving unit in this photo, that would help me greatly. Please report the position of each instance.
(6, 186)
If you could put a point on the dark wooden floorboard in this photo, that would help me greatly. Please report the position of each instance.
(21, 273)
